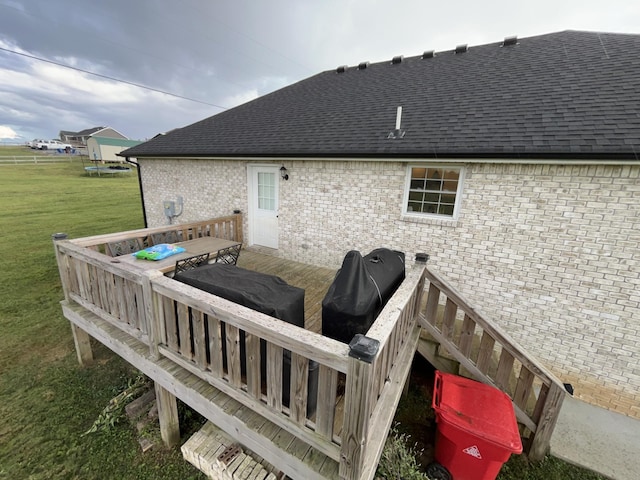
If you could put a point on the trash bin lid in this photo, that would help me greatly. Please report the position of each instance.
(480, 410)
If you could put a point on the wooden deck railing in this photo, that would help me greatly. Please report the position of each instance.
(110, 290)
(204, 335)
(229, 228)
(489, 355)
(113, 291)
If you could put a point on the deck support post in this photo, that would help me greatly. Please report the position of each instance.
(358, 405)
(82, 341)
(168, 416)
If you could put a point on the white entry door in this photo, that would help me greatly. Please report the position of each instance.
(263, 205)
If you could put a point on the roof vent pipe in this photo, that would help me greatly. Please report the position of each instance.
(508, 41)
(397, 133)
(462, 48)
(428, 54)
(363, 65)
(397, 60)
(342, 69)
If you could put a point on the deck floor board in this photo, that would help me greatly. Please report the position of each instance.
(314, 280)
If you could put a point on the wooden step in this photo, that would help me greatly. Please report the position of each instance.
(216, 455)
(430, 350)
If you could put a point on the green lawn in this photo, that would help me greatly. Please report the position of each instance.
(46, 400)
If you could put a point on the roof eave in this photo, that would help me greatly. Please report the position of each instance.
(474, 157)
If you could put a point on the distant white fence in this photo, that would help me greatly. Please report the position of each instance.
(35, 159)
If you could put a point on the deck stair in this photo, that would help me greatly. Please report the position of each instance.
(458, 338)
(433, 352)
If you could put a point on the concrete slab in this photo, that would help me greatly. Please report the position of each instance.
(598, 439)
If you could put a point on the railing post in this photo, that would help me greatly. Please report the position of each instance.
(539, 446)
(421, 262)
(81, 339)
(238, 225)
(358, 405)
(56, 237)
(152, 315)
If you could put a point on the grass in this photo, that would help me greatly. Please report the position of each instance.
(47, 401)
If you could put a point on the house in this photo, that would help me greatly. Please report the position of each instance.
(106, 149)
(514, 165)
(80, 138)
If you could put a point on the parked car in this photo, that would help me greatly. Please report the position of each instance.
(34, 143)
(53, 145)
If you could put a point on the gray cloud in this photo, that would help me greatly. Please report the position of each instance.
(225, 53)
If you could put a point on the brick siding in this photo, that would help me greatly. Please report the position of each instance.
(550, 252)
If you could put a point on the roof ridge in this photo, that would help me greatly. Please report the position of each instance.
(434, 53)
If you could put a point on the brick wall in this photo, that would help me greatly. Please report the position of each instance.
(208, 189)
(557, 247)
(550, 252)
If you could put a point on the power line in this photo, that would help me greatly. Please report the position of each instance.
(107, 77)
(118, 44)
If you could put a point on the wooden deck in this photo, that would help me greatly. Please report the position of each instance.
(229, 362)
(298, 399)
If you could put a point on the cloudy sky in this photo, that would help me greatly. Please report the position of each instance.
(198, 57)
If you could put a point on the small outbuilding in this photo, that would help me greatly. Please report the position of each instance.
(105, 149)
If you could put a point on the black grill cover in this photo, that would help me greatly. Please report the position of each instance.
(267, 294)
(361, 289)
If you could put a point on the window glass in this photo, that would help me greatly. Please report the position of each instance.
(433, 190)
(266, 191)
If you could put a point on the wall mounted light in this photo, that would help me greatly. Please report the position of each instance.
(284, 174)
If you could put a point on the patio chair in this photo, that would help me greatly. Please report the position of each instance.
(124, 247)
(190, 263)
(229, 255)
(165, 237)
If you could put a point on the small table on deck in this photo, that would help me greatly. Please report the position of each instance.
(197, 246)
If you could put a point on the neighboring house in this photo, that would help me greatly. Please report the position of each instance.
(106, 149)
(513, 164)
(80, 138)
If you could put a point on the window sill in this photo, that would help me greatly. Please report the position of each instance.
(427, 220)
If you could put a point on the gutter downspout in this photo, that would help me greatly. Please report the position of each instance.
(144, 210)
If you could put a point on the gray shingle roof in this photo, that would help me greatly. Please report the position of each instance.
(567, 94)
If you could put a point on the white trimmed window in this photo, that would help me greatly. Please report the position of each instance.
(433, 191)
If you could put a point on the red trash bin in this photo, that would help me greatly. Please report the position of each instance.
(477, 429)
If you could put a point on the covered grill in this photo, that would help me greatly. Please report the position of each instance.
(361, 289)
